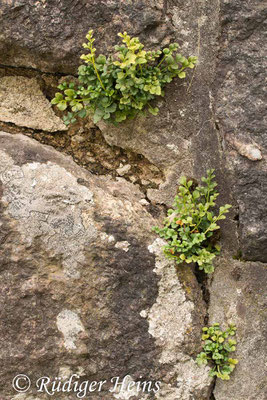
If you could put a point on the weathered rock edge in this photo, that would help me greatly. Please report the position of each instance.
(78, 288)
(238, 295)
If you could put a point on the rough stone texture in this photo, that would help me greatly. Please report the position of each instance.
(238, 294)
(157, 145)
(23, 103)
(184, 129)
(241, 112)
(81, 291)
(183, 138)
(173, 313)
(48, 34)
(77, 277)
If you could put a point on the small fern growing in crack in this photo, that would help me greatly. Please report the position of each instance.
(190, 226)
(217, 346)
(120, 86)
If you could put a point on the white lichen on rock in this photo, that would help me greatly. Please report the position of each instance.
(123, 245)
(54, 212)
(170, 318)
(70, 325)
(248, 150)
(126, 392)
(26, 396)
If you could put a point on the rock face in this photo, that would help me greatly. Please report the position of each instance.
(238, 294)
(182, 139)
(23, 103)
(240, 109)
(85, 287)
(48, 35)
(78, 287)
(171, 310)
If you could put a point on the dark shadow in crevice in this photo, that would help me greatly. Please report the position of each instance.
(202, 279)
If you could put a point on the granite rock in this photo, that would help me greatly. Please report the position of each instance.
(240, 108)
(83, 287)
(48, 35)
(238, 295)
(23, 103)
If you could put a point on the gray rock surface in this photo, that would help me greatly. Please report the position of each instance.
(238, 295)
(215, 119)
(182, 139)
(48, 35)
(241, 113)
(85, 288)
(173, 313)
(80, 286)
(23, 103)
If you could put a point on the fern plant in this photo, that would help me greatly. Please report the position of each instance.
(217, 346)
(190, 226)
(121, 85)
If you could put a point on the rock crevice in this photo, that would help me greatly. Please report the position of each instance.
(85, 285)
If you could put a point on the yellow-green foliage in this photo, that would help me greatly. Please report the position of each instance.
(121, 85)
(191, 223)
(217, 348)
